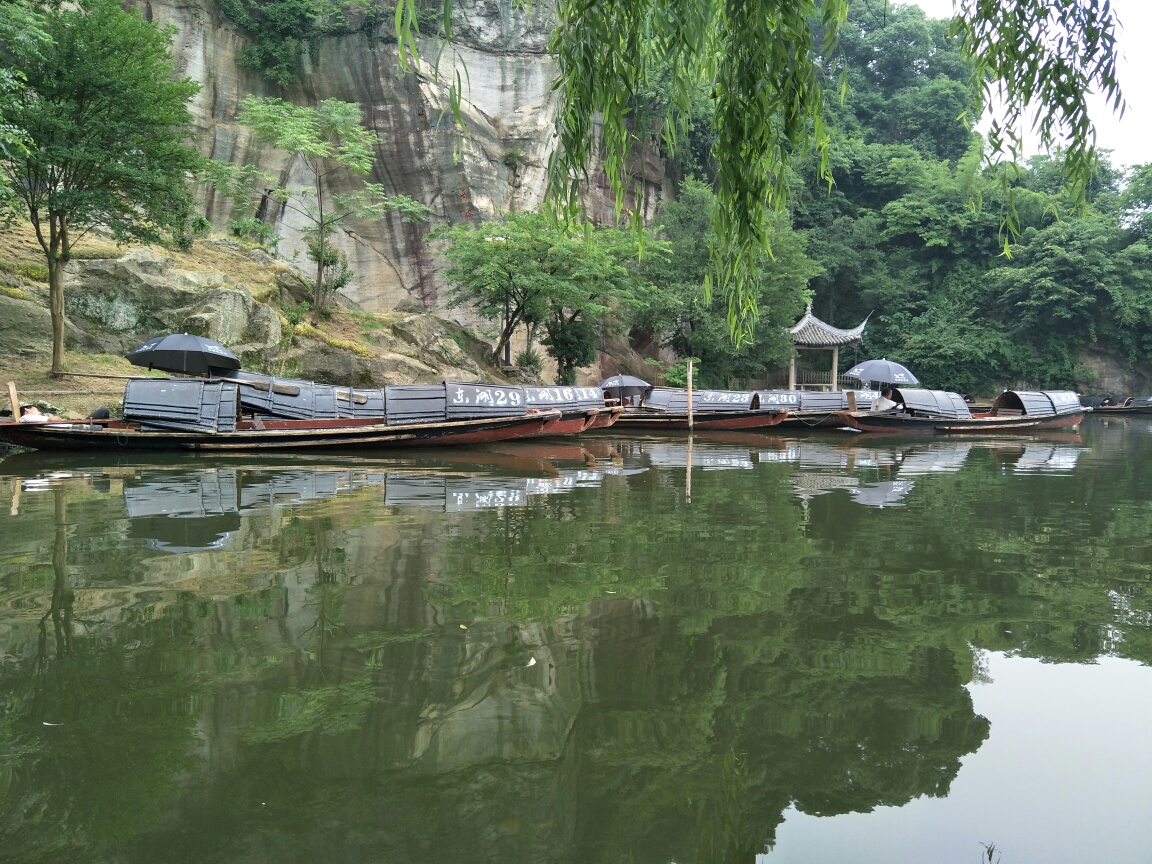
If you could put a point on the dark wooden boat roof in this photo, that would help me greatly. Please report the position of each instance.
(1038, 403)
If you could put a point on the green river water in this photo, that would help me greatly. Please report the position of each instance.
(809, 648)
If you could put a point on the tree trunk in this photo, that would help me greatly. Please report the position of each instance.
(56, 305)
(505, 335)
(322, 248)
(57, 261)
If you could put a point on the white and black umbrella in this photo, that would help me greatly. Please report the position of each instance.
(882, 371)
(180, 352)
(625, 385)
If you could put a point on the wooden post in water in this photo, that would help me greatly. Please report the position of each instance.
(14, 399)
(689, 402)
(687, 476)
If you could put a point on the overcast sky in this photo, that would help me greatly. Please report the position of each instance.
(1130, 138)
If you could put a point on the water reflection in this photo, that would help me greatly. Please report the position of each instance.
(531, 653)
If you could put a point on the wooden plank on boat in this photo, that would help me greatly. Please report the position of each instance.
(14, 400)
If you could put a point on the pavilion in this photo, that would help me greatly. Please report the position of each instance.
(812, 334)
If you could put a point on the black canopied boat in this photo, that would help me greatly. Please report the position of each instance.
(667, 408)
(264, 413)
(938, 411)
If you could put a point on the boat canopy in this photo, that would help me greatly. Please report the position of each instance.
(296, 399)
(565, 398)
(703, 401)
(474, 401)
(789, 399)
(816, 400)
(181, 404)
(1037, 403)
(936, 403)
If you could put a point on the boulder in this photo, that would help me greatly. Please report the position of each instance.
(264, 327)
(221, 315)
(295, 286)
(25, 328)
(119, 302)
(410, 304)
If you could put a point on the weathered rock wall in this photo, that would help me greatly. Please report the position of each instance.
(500, 165)
(1103, 372)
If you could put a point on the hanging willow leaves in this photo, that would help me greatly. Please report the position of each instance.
(1042, 57)
(767, 62)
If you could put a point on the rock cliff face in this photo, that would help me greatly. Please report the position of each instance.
(501, 163)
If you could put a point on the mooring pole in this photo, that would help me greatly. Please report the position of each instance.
(689, 394)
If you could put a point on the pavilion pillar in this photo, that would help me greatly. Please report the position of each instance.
(835, 368)
(792, 372)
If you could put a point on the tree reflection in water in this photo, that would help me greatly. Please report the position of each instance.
(361, 670)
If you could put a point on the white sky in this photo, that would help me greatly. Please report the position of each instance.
(1130, 138)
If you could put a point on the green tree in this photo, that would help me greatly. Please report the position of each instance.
(533, 271)
(104, 128)
(675, 311)
(766, 63)
(20, 25)
(330, 140)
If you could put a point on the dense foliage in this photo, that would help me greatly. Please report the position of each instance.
(762, 61)
(676, 311)
(911, 230)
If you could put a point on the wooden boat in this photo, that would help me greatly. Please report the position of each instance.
(582, 408)
(941, 412)
(209, 415)
(1113, 406)
(815, 409)
(124, 436)
(666, 408)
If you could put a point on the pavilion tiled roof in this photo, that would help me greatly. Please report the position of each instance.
(814, 333)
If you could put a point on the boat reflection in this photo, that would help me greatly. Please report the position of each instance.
(886, 493)
(176, 508)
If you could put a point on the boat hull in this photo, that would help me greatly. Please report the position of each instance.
(811, 420)
(735, 420)
(309, 435)
(902, 424)
(575, 422)
(1123, 410)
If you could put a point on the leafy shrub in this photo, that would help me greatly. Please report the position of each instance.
(35, 272)
(255, 231)
(530, 358)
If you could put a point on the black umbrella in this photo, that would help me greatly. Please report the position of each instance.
(882, 371)
(179, 352)
(625, 385)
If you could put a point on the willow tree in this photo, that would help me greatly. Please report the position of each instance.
(768, 64)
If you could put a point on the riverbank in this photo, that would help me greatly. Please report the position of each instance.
(239, 295)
